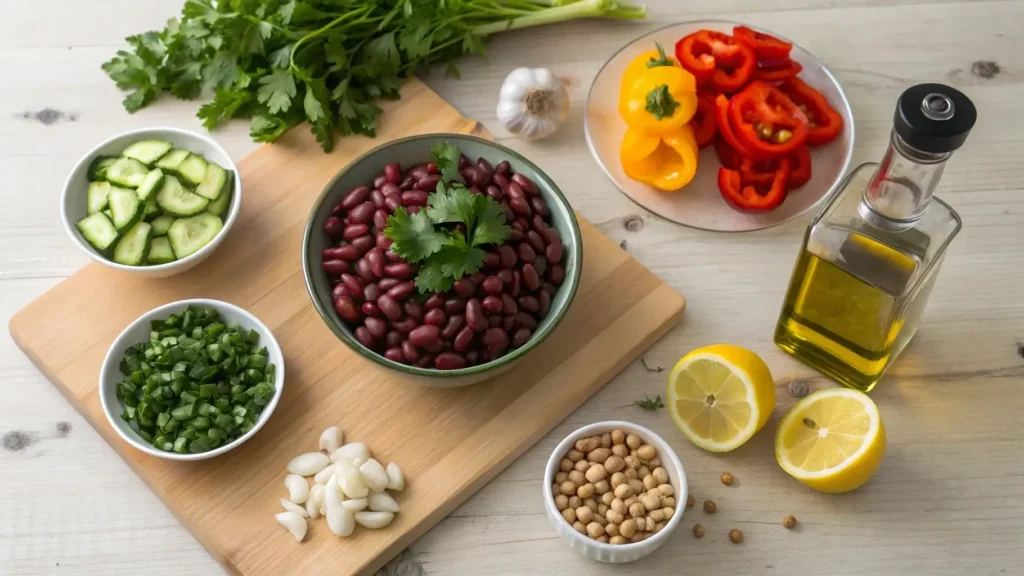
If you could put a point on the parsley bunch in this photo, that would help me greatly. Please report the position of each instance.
(282, 62)
(432, 237)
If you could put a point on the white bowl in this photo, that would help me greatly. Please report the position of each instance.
(73, 199)
(616, 553)
(138, 331)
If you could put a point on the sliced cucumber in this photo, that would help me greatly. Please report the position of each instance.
(188, 235)
(131, 249)
(125, 207)
(98, 230)
(161, 225)
(151, 210)
(176, 200)
(170, 161)
(127, 172)
(147, 151)
(96, 198)
(107, 213)
(98, 167)
(160, 251)
(213, 184)
(220, 205)
(150, 184)
(193, 169)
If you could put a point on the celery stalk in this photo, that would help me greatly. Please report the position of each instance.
(578, 9)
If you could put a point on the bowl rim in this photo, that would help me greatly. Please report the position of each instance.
(847, 157)
(573, 275)
(117, 347)
(198, 255)
(650, 437)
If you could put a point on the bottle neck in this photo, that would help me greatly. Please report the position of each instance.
(902, 186)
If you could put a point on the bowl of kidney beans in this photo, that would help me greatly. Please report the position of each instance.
(488, 320)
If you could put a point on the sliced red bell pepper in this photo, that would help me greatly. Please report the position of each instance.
(717, 58)
(753, 197)
(724, 126)
(727, 155)
(762, 172)
(766, 122)
(824, 123)
(778, 72)
(765, 46)
(703, 120)
(799, 167)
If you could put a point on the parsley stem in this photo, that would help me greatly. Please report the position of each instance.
(581, 9)
(291, 57)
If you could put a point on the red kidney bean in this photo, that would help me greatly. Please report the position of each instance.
(526, 254)
(435, 317)
(556, 274)
(346, 308)
(362, 213)
(413, 309)
(476, 176)
(518, 226)
(363, 244)
(335, 267)
(388, 283)
(535, 240)
(389, 189)
(405, 325)
(392, 201)
(379, 181)
(339, 291)
(437, 347)
(506, 277)
(432, 168)
(389, 307)
(553, 252)
(463, 339)
(339, 253)
(540, 207)
(418, 171)
(334, 227)
(472, 357)
(525, 320)
(338, 210)
(520, 206)
(538, 223)
(428, 183)
(508, 256)
(545, 303)
(464, 287)
(401, 291)
(400, 270)
(515, 236)
(434, 302)
(529, 303)
(370, 309)
(425, 361)
(393, 339)
(371, 292)
(541, 264)
(514, 191)
(517, 281)
(522, 223)
(483, 163)
(414, 198)
(475, 191)
(526, 184)
(508, 305)
(495, 193)
(454, 305)
(365, 338)
(494, 320)
(551, 235)
(492, 285)
(354, 285)
(413, 209)
(355, 197)
(455, 323)
(475, 315)
(377, 326)
(392, 257)
(377, 199)
(501, 181)
(375, 257)
(380, 220)
(492, 304)
(549, 288)
(449, 361)
(531, 279)
(392, 172)
(365, 271)
(522, 336)
(395, 355)
(496, 341)
(508, 323)
(477, 277)
(423, 336)
(492, 261)
(509, 214)
(410, 351)
(503, 167)
(408, 184)
(383, 242)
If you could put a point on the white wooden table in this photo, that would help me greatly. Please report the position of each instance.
(949, 498)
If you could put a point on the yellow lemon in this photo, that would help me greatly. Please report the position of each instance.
(719, 396)
(832, 440)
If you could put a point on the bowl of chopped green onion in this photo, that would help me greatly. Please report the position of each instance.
(191, 379)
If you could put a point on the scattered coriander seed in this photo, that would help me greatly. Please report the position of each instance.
(727, 478)
(698, 530)
(789, 521)
(710, 507)
(690, 500)
(736, 536)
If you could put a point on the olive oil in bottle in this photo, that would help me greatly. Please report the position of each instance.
(870, 257)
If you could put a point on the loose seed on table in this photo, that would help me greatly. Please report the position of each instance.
(690, 500)
(698, 530)
(736, 536)
(710, 507)
(789, 521)
(727, 478)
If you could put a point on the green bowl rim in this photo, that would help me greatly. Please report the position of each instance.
(433, 372)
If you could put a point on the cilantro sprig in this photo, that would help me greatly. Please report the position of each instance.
(432, 236)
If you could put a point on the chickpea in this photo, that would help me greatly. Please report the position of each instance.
(655, 462)
(618, 478)
(658, 527)
(736, 536)
(574, 455)
(698, 530)
(627, 528)
(580, 527)
(620, 450)
(567, 488)
(668, 502)
(569, 514)
(632, 462)
(636, 485)
(606, 440)
(660, 474)
(602, 487)
(575, 501)
(650, 501)
(618, 437)
(646, 452)
(668, 513)
(619, 506)
(602, 510)
(710, 507)
(617, 540)
(611, 529)
(561, 477)
(607, 497)
(666, 489)
(599, 455)
(636, 510)
(623, 491)
(613, 516)
(727, 478)
(631, 500)
(590, 503)
(596, 472)
(789, 521)
(614, 464)
(585, 491)
(565, 465)
(577, 478)
(658, 515)
(562, 502)
(595, 530)
(602, 539)
(630, 474)
(581, 466)
(584, 514)
(690, 500)
(650, 523)
(633, 441)
(643, 471)
(637, 537)
(587, 444)
(650, 482)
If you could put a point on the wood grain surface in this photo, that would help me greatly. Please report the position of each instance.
(947, 501)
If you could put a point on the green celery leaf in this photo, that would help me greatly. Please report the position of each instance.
(413, 235)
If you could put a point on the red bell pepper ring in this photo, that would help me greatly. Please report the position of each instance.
(765, 46)
(762, 172)
(777, 73)
(727, 155)
(703, 120)
(716, 58)
(824, 123)
(753, 197)
(799, 167)
(725, 129)
(766, 122)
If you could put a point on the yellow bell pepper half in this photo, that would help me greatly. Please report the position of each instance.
(640, 65)
(660, 100)
(666, 162)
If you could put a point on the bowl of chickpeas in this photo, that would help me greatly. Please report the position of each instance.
(614, 491)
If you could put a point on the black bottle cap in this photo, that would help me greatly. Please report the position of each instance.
(934, 118)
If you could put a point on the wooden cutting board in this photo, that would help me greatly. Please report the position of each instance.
(449, 442)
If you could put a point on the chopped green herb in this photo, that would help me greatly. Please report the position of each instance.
(649, 403)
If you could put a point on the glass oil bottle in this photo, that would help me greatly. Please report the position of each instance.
(871, 255)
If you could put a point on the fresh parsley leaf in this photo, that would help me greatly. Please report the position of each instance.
(137, 99)
(413, 236)
(490, 226)
(650, 404)
(432, 279)
(281, 57)
(458, 260)
(263, 128)
(277, 91)
(451, 205)
(226, 104)
(447, 157)
(284, 13)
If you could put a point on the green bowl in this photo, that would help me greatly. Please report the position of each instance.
(416, 150)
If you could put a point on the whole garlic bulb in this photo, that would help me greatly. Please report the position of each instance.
(532, 103)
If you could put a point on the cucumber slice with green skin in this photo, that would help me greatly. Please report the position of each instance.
(96, 197)
(151, 209)
(108, 214)
(176, 200)
(220, 205)
(127, 172)
(125, 207)
(150, 184)
(147, 151)
(169, 162)
(161, 225)
(193, 169)
(98, 230)
(160, 251)
(98, 167)
(133, 246)
(188, 235)
(213, 184)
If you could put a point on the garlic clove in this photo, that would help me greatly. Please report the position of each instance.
(324, 475)
(350, 451)
(356, 504)
(374, 520)
(374, 475)
(357, 462)
(396, 478)
(330, 439)
(339, 520)
(293, 523)
(293, 507)
(315, 500)
(351, 481)
(298, 489)
(382, 502)
(308, 464)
